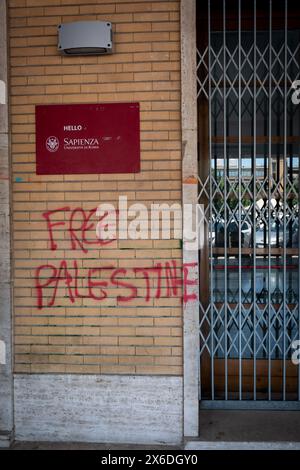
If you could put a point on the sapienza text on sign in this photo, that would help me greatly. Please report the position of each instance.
(49, 277)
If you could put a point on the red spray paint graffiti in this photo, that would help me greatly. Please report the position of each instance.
(98, 281)
(77, 234)
(49, 278)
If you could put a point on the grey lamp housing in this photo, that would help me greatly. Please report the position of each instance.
(85, 38)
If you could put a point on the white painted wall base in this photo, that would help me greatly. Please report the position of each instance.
(5, 440)
(91, 408)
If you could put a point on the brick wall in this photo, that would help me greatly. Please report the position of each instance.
(140, 336)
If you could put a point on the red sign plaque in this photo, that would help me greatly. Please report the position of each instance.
(87, 138)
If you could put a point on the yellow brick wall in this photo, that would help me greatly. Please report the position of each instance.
(110, 336)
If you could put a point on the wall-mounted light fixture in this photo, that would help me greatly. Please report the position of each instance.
(85, 38)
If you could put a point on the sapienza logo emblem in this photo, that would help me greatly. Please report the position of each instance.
(52, 144)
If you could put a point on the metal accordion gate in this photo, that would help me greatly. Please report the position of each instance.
(248, 57)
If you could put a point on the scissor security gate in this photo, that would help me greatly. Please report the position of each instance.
(248, 61)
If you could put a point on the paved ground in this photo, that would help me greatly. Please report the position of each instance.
(252, 425)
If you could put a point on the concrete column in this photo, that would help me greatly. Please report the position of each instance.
(6, 377)
(189, 195)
